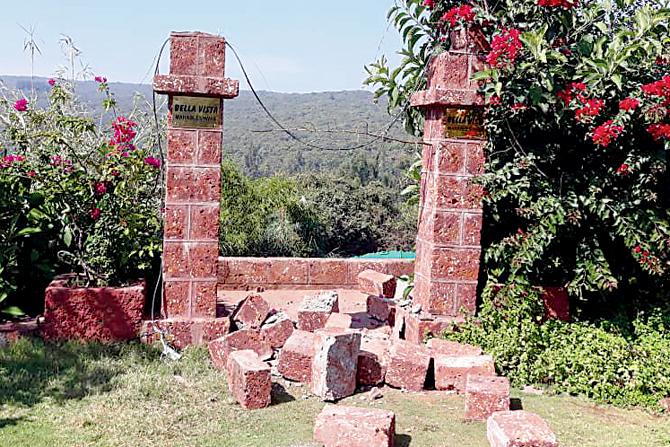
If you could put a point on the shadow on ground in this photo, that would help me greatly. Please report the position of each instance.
(31, 370)
(403, 440)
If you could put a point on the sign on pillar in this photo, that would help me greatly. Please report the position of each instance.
(196, 87)
(448, 242)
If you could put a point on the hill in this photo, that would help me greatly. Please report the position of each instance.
(254, 143)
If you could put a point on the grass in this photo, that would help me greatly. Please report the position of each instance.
(125, 395)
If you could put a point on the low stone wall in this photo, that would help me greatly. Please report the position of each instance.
(303, 273)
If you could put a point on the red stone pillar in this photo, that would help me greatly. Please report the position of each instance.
(196, 87)
(448, 243)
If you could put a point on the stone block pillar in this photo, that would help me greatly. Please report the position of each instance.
(196, 87)
(448, 243)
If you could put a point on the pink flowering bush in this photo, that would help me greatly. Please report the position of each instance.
(95, 182)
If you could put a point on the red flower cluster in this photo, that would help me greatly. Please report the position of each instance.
(95, 213)
(153, 161)
(659, 88)
(21, 105)
(124, 133)
(9, 160)
(52, 82)
(566, 4)
(101, 79)
(429, 4)
(494, 100)
(505, 48)
(568, 94)
(624, 169)
(589, 110)
(604, 134)
(660, 130)
(100, 188)
(629, 104)
(457, 13)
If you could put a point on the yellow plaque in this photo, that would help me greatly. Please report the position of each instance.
(464, 122)
(196, 111)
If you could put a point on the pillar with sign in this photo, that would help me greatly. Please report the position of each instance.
(196, 87)
(448, 242)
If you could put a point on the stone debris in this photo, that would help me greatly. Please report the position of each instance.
(315, 310)
(519, 429)
(381, 309)
(375, 394)
(251, 312)
(339, 321)
(484, 396)
(295, 359)
(376, 283)
(249, 379)
(341, 426)
(451, 372)
(220, 349)
(277, 329)
(334, 364)
(408, 366)
(438, 346)
(665, 404)
(373, 360)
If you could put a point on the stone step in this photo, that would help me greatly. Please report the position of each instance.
(341, 426)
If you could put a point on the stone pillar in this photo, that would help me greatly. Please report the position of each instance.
(448, 243)
(196, 87)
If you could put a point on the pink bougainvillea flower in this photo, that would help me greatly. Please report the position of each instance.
(566, 4)
(624, 169)
(101, 79)
(95, 213)
(429, 4)
(52, 82)
(519, 106)
(153, 161)
(572, 91)
(494, 100)
(457, 13)
(589, 110)
(505, 48)
(629, 104)
(21, 105)
(607, 132)
(659, 130)
(100, 188)
(31, 173)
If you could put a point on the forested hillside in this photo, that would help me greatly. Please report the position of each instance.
(254, 143)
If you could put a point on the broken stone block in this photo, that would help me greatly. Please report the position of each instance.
(373, 360)
(376, 283)
(339, 321)
(408, 365)
(249, 379)
(315, 310)
(452, 372)
(419, 326)
(484, 396)
(334, 364)
(438, 346)
(665, 404)
(251, 312)
(277, 329)
(220, 349)
(519, 429)
(340, 426)
(381, 309)
(295, 359)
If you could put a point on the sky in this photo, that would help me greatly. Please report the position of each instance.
(286, 45)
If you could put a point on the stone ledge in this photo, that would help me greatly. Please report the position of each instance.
(196, 86)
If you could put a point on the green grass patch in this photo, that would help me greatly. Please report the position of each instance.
(125, 395)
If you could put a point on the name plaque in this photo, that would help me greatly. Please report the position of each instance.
(464, 122)
(196, 111)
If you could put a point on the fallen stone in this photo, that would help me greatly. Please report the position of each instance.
(315, 310)
(249, 379)
(484, 396)
(408, 366)
(220, 349)
(665, 404)
(340, 426)
(519, 429)
(376, 283)
(251, 312)
(381, 309)
(439, 346)
(334, 364)
(278, 330)
(529, 389)
(419, 327)
(452, 372)
(373, 360)
(339, 321)
(295, 359)
(375, 394)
